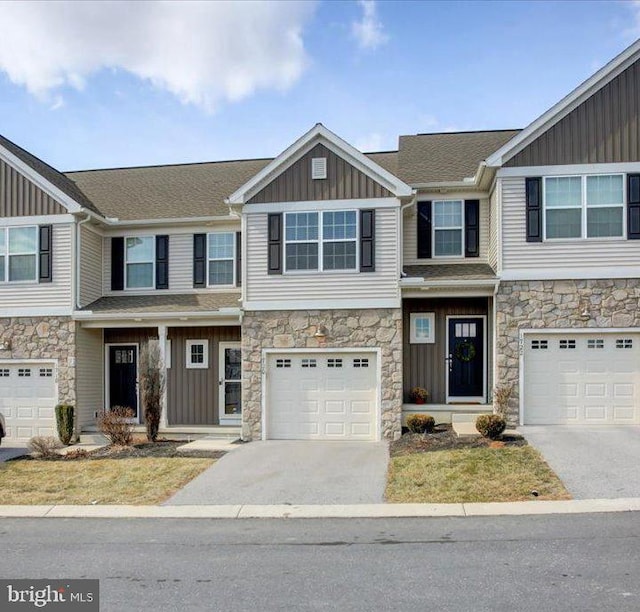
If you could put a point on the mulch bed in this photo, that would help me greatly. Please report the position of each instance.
(444, 438)
(161, 448)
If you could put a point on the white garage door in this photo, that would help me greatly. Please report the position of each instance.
(28, 396)
(322, 396)
(582, 379)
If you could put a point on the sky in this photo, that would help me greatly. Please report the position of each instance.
(112, 84)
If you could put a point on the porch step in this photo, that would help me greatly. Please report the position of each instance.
(92, 439)
(467, 417)
(465, 429)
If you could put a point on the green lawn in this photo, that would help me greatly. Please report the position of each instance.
(472, 475)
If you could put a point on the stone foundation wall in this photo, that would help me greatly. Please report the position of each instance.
(344, 329)
(557, 304)
(43, 338)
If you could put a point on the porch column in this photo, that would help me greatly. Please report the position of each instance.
(162, 345)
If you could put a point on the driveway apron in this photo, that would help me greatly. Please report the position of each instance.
(293, 472)
(593, 462)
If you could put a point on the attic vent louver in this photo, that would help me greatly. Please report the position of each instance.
(319, 168)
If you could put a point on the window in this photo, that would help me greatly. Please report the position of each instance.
(584, 206)
(339, 232)
(24, 372)
(421, 327)
(448, 224)
(539, 345)
(140, 262)
(46, 372)
(4, 372)
(222, 250)
(326, 241)
(595, 343)
(567, 344)
(624, 343)
(283, 363)
(308, 363)
(197, 354)
(18, 254)
(334, 363)
(360, 363)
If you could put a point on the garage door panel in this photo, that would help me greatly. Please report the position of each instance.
(333, 399)
(581, 378)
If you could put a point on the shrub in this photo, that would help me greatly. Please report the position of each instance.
(419, 394)
(491, 425)
(77, 453)
(44, 446)
(116, 425)
(420, 423)
(152, 387)
(501, 395)
(64, 422)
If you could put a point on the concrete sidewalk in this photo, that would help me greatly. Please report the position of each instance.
(583, 506)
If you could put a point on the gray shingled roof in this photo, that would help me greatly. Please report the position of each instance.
(160, 303)
(428, 158)
(59, 180)
(451, 272)
(199, 190)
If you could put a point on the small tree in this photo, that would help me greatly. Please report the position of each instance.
(501, 395)
(152, 382)
(64, 422)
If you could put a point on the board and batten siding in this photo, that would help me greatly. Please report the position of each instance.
(91, 266)
(517, 253)
(193, 395)
(89, 375)
(180, 260)
(56, 294)
(19, 197)
(410, 237)
(341, 287)
(343, 182)
(605, 128)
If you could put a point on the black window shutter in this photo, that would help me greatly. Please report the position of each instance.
(199, 260)
(275, 243)
(162, 262)
(472, 228)
(633, 207)
(238, 259)
(45, 249)
(533, 188)
(367, 241)
(117, 263)
(424, 230)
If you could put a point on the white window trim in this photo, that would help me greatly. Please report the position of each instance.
(413, 317)
(233, 259)
(205, 354)
(453, 227)
(152, 262)
(320, 242)
(6, 256)
(584, 208)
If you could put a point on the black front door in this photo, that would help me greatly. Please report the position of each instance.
(466, 357)
(122, 376)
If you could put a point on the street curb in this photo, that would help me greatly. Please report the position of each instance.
(581, 506)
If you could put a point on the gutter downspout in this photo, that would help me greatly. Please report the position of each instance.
(78, 251)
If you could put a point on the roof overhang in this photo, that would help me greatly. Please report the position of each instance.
(560, 110)
(106, 319)
(293, 153)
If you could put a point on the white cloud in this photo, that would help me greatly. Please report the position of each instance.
(202, 52)
(369, 142)
(369, 31)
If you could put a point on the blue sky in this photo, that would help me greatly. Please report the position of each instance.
(119, 84)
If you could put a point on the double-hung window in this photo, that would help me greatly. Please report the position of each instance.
(18, 254)
(321, 241)
(221, 258)
(140, 262)
(448, 228)
(584, 206)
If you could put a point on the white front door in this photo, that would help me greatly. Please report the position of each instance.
(28, 395)
(322, 396)
(582, 379)
(229, 380)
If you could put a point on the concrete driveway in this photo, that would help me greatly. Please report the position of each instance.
(293, 472)
(592, 462)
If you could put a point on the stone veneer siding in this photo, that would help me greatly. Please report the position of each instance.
(43, 338)
(557, 304)
(344, 329)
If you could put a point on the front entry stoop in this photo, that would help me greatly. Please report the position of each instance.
(464, 425)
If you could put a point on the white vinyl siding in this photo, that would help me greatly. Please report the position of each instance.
(492, 250)
(341, 288)
(91, 266)
(519, 254)
(54, 295)
(89, 375)
(410, 237)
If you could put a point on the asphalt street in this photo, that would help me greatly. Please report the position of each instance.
(559, 562)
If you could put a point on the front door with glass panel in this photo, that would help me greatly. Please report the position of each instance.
(466, 371)
(229, 380)
(123, 375)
